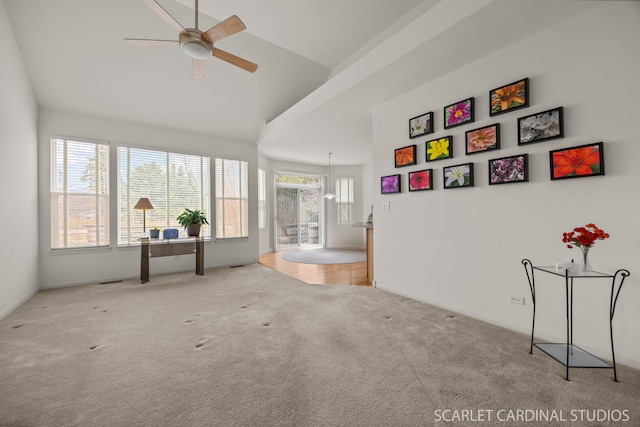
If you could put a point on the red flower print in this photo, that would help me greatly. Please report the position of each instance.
(419, 180)
(578, 161)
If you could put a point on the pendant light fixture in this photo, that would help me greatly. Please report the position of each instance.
(329, 194)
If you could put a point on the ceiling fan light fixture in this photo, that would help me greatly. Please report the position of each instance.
(193, 44)
(196, 49)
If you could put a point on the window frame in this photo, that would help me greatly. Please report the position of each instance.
(350, 204)
(243, 201)
(206, 188)
(105, 218)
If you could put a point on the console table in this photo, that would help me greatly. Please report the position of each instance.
(159, 248)
(568, 354)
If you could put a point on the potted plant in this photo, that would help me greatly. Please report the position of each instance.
(192, 221)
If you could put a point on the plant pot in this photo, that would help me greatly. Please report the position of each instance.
(193, 230)
(154, 234)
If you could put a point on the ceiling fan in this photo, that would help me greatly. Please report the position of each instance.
(199, 44)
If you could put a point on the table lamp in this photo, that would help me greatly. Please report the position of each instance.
(144, 204)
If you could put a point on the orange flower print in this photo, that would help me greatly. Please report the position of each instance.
(481, 139)
(508, 97)
(405, 156)
(578, 161)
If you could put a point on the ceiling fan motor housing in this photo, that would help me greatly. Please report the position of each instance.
(194, 45)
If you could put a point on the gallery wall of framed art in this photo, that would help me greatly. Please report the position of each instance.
(538, 127)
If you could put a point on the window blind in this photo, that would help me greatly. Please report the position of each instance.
(344, 200)
(171, 181)
(232, 199)
(79, 194)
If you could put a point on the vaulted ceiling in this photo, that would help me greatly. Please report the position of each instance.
(323, 64)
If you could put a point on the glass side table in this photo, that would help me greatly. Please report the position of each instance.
(568, 354)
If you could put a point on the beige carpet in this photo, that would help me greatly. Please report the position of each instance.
(249, 346)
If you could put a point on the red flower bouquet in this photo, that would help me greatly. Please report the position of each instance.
(584, 236)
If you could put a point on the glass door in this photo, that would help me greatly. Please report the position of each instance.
(298, 202)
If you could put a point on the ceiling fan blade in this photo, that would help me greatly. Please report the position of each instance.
(152, 42)
(198, 69)
(162, 13)
(229, 26)
(235, 60)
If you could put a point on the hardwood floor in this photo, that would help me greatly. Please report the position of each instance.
(354, 274)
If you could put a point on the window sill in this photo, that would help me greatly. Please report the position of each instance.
(231, 239)
(83, 250)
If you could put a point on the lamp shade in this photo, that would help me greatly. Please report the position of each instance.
(143, 204)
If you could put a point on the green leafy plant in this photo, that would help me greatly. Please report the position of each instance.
(188, 217)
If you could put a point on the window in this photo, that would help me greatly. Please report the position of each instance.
(344, 200)
(171, 182)
(79, 194)
(262, 199)
(232, 199)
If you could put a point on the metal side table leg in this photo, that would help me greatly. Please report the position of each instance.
(621, 274)
(528, 268)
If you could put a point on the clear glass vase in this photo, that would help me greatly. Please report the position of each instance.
(584, 265)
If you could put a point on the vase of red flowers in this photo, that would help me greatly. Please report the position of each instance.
(584, 238)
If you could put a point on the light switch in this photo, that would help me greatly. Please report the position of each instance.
(386, 206)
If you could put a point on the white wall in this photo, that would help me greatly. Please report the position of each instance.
(462, 249)
(265, 236)
(369, 187)
(91, 266)
(18, 175)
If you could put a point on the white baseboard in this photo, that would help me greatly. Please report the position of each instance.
(18, 304)
(87, 282)
(604, 353)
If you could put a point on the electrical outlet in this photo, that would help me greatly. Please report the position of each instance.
(515, 300)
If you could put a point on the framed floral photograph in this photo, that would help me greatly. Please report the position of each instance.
(421, 125)
(441, 148)
(459, 113)
(577, 162)
(507, 170)
(405, 156)
(421, 180)
(458, 176)
(390, 184)
(482, 139)
(509, 97)
(541, 126)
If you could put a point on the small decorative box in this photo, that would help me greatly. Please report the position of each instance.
(170, 233)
